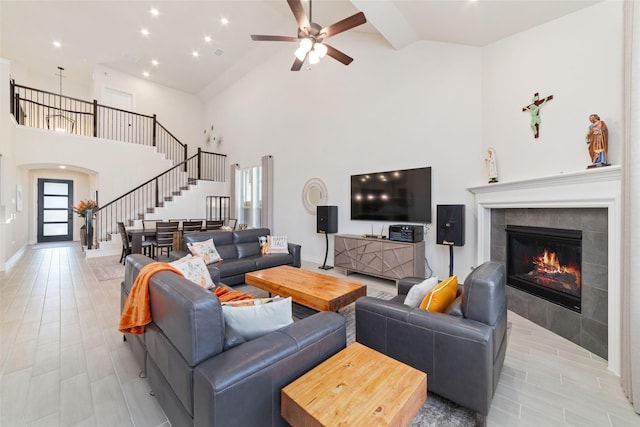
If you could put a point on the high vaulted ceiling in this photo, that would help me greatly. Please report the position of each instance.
(109, 32)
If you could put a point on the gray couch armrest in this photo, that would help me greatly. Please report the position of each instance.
(295, 250)
(258, 369)
(406, 283)
(435, 343)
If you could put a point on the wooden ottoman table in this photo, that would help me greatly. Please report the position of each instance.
(356, 387)
(315, 290)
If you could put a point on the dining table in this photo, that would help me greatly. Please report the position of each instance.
(136, 236)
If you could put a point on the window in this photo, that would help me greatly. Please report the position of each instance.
(249, 200)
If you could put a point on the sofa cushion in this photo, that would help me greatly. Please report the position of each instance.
(195, 270)
(236, 266)
(253, 321)
(441, 296)
(418, 291)
(206, 250)
(277, 245)
(228, 252)
(248, 249)
(274, 260)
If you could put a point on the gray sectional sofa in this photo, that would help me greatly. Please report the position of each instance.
(203, 375)
(240, 252)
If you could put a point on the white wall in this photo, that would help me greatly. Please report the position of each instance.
(387, 110)
(179, 112)
(109, 167)
(578, 60)
(429, 104)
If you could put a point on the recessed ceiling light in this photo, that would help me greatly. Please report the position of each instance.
(57, 44)
(154, 62)
(62, 167)
(195, 54)
(144, 32)
(207, 39)
(224, 21)
(145, 74)
(154, 12)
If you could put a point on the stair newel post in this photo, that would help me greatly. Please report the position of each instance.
(186, 156)
(199, 174)
(18, 116)
(155, 124)
(88, 222)
(12, 94)
(157, 203)
(95, 118)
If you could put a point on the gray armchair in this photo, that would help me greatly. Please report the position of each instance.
(461, 352)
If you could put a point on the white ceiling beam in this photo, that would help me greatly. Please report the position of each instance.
(387, 19)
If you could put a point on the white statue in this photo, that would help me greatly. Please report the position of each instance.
(491, 166)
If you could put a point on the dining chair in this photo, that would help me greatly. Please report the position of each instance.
(164, 238)
(126, 243)
(191, 227)
(214, 225)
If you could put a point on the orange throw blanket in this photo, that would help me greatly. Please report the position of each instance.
(137, 312)
(225, 294)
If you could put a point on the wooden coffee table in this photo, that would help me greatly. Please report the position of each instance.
(315, 290)
(356, 387)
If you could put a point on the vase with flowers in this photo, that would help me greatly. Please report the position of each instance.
(85, 209)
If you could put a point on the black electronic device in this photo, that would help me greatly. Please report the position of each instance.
(450, 221)
(400, 195)
(327, 219)
(326, 222)
(406, 233)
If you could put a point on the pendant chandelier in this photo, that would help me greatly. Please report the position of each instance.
(58, 121)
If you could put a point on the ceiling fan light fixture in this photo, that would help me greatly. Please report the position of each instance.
(314, 58)
(306, 44)
(320, 49)
(300, 53)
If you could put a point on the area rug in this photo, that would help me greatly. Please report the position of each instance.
(435, 412)
(106, 268)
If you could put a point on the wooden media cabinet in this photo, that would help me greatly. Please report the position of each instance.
(384, 258)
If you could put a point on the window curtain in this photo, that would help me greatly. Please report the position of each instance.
(630, 275)
(266, 215)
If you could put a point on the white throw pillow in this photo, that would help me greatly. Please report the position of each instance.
(277, 245)
(252, 321)
(206, 249)
(418, 291)
(194, 269)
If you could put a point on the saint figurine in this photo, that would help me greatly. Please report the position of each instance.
(598, 141)
(491, 166)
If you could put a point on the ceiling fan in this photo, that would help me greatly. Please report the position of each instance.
(312, 36)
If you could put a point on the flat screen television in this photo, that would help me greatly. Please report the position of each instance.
(400, 195)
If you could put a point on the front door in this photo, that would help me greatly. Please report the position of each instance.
(55, 216)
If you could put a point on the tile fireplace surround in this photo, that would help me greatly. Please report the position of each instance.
(588, 189)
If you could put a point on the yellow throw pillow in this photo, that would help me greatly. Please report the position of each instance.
(441, 296)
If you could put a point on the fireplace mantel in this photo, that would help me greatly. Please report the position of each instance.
(597, 187)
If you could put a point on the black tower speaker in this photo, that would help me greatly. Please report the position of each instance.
(327, 221)
(450, 221)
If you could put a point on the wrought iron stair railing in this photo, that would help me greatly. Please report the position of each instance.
(153, 193)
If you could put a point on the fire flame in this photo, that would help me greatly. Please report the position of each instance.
(548, 263)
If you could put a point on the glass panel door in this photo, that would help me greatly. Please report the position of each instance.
(55, 216)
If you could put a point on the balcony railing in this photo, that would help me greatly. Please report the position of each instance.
(47, 110)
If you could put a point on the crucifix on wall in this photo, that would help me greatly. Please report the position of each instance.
(534, 110)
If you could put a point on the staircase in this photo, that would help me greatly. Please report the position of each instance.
(36, 108)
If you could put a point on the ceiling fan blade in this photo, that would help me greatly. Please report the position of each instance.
(297, 64)
(344, 25)
(298, 11)
(337, 55)
(274, 38)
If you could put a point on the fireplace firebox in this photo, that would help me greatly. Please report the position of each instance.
(546, 262)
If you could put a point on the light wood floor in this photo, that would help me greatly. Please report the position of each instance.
(63, 362)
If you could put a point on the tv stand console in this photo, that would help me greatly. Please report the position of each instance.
(379, 257)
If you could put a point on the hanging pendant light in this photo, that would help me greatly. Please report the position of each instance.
(58, 121)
